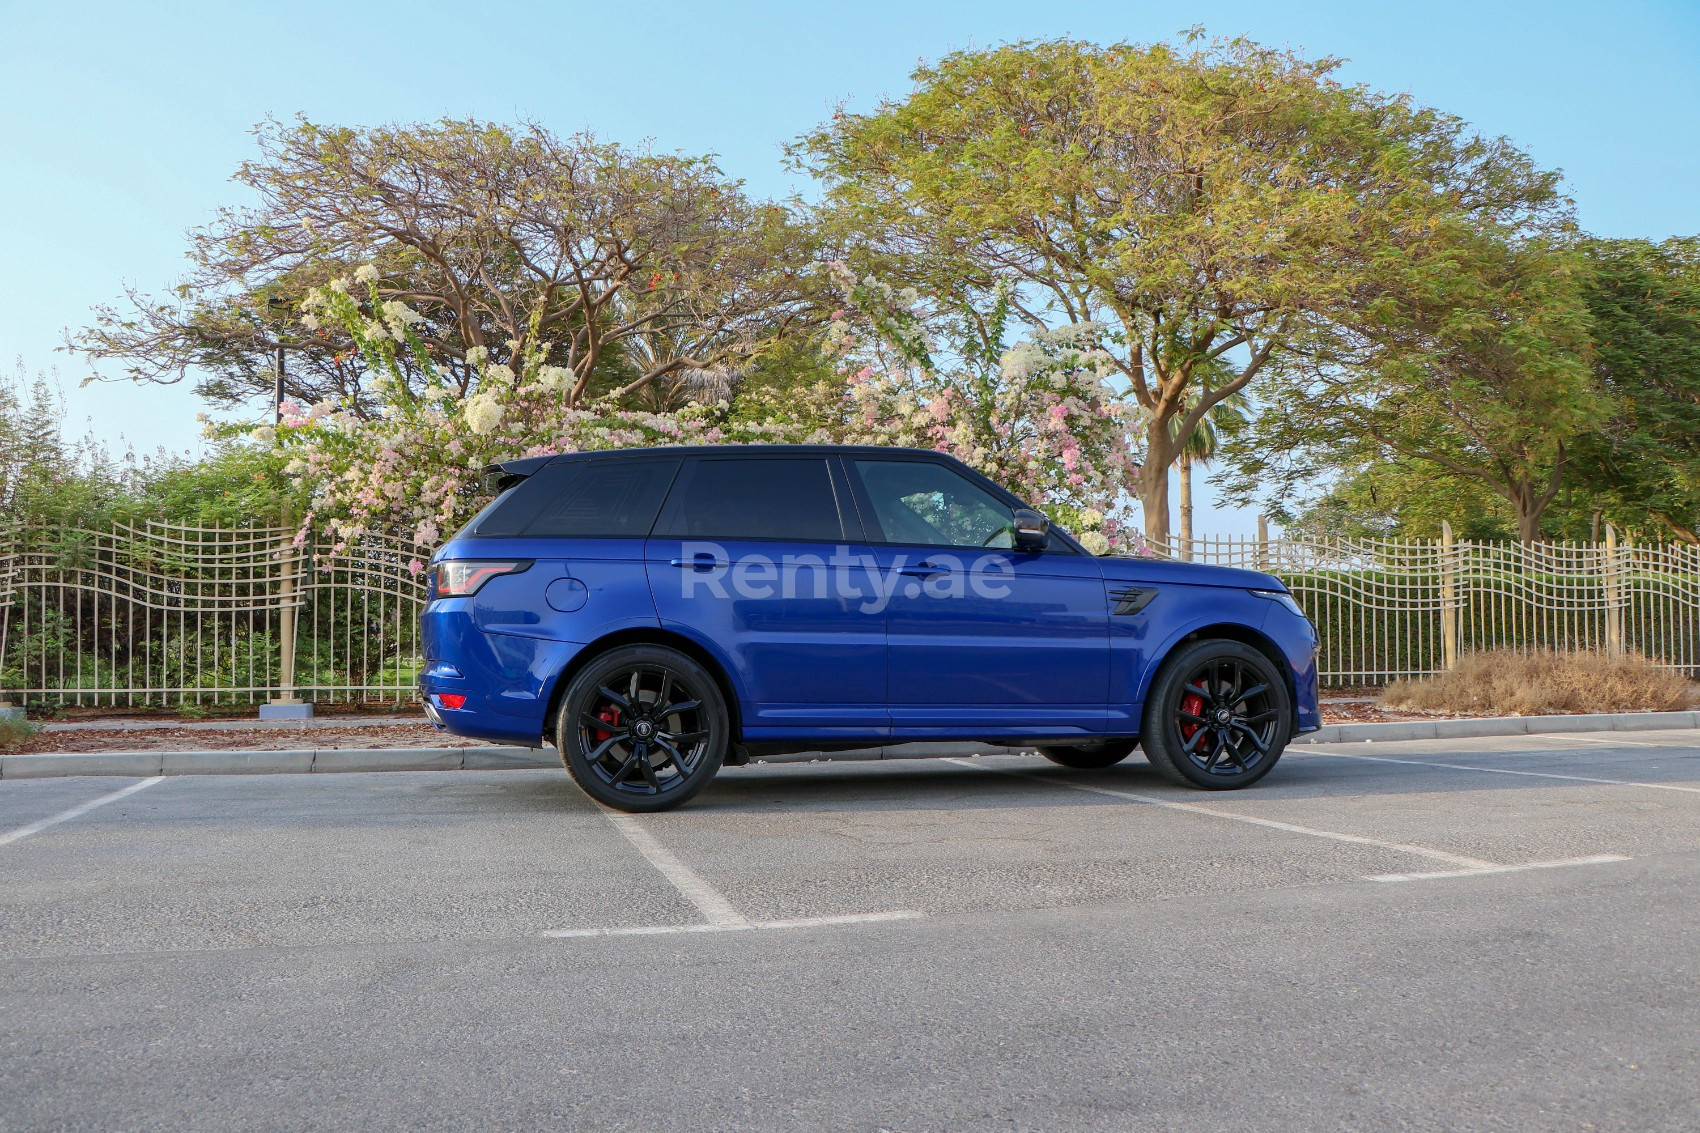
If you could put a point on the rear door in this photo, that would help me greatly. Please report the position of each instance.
(980, 637)
(753, 558)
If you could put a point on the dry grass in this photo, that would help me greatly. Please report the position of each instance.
(1507, 682)
(14, 731)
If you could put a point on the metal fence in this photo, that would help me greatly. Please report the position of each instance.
(166, 614)
(1387, 609)
(162, 614)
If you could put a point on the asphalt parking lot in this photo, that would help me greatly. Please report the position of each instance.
(1483, 934)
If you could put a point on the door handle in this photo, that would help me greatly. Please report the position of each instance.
(924, 570)
(700, 562)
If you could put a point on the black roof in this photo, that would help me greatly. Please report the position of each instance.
(510, 472)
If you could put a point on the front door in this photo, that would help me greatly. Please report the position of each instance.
(979, 635)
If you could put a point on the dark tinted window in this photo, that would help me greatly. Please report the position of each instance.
(608, 498)
(923, 502)
(512, 511)
(758, 499)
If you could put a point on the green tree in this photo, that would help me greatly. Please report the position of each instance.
(1643, 464)
(629, 267)
(1482, 376)
(1230, 204)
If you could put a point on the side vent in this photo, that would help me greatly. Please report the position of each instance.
(1131, 599)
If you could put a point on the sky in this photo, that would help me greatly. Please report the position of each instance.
(121, 123)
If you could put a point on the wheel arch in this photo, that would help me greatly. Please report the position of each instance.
(1229, 631)
(645, 635)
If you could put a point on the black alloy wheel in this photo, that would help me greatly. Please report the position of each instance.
(643, 728)
(1218, 716)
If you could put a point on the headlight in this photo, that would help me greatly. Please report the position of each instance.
(1282, 597)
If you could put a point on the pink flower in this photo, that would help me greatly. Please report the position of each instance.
(1071, 458)
(415, 567)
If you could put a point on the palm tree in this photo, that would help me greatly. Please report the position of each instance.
(1227, 416)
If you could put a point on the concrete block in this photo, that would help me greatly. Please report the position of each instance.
(1384, 733)
(1590, 723)
(11, 712)
(1651, 721)
(297, 762)
(388, 759)
(42, 765)
(510, 759)
(1488, 726)
(286, 710)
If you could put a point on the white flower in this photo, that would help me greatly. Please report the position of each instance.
(340, 286)
(483, 413)
(1091, 518)
(501, 375)
(477, 356)
(397, 311)
(555, 377)
(366, 273)
(1095, 541)
(311, 322)
(265, 434)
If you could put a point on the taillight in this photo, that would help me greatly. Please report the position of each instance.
(452, 699)
(461, 578)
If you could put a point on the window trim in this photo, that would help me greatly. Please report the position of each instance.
(667, 523)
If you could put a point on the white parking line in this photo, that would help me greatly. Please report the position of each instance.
(1509, 771)
(719, 914)
(714, 907)
(741, 926)
(77, 811)
(1332, 835)
(1471, 866)
(1597, 859)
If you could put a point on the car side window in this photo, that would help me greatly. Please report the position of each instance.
(608, 499)
(917, 501)
(762, 498)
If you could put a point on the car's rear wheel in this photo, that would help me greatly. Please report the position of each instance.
(1090, 757)
(1218, 716)
(642, 728)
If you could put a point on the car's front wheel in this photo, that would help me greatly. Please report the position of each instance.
(1218, 716)
(642, 728)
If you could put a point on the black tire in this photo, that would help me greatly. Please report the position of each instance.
(1218, 716)
(650, 758)
(1090, 757)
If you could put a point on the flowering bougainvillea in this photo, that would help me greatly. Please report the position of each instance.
(417, 467)
(1037, 417)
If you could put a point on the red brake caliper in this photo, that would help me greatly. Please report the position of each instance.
(1193, 705)
(609, 715)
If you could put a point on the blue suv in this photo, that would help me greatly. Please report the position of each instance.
(658, 613)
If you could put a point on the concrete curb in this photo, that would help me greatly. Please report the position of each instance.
(145, 764)
(1500, 726)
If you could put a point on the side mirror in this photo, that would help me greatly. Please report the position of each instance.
(1032, 530)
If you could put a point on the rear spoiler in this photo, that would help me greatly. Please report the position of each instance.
(500, 477)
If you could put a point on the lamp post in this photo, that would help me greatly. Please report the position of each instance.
(279, 308)
(286, 705)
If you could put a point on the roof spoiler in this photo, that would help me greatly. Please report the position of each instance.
(500, 477)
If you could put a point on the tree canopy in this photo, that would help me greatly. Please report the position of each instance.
(634, 268)
(1222, 204)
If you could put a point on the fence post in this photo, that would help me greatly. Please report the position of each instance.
(1449, 611)
(1613, 594)
(286, 705)
(1263, 543)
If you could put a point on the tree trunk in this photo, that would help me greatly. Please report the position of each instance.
(1527, 508)
(1160, 451)
(1185, 466)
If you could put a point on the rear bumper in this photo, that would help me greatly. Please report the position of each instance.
(506, 680)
